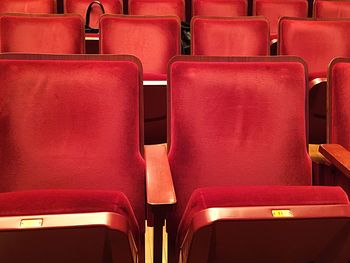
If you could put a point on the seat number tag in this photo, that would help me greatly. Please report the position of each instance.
(31, 223)
(282, 213)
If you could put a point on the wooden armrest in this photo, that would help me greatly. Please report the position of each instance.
(160, 192)
(316, 156)
(159, 183)
(338, 156)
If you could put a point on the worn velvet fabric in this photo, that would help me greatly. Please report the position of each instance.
(72, 123)
(154, 40)
(154, 76)
(236, 124)
(61, 34)
(230, 36)
(157, 8)
(273, 10)
(340, 101)
(28, 6)
(221, 8)
(203, 198)
(317, 42)
(46, 202)
(331, 9)
(80, 7)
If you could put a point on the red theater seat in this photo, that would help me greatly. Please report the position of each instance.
(331, 9)
(80, 7)
(25, 6)
(154, 40)
(221, 8)
(338, 98)
(157, 8)
(63, 34)
(240, 167)
(73, 178)
(338, 124)
(230, 36)
(317, 42)
(273, 10)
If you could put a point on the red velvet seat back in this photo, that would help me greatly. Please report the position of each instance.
(72, 122)
(230, 36)
(338, 102)
(80, 7)
(331, 9)
(317, 42)
(236, 121)
(154, 40)
(25, 6)
(62, 34)
(157, 8)
(222, 8)
(273, 10)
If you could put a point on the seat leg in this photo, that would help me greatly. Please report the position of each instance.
(158, 240)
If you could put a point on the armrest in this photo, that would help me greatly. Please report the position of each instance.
(338, 156)
(160, 192)
(159, 183)
(316, 156)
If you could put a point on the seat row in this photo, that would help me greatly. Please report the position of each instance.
(154, 40)
(234, 180)
(271, 9)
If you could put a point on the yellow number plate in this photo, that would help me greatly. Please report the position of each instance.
(28, 223)
(282, 213)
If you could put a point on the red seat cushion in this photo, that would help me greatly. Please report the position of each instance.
(318, 74)
(339, 124)
(232, 123)
(154, 40)
(157, 8)
(236, 37)
(331, 9)
(44, 202)
(273, 10)
(25, 6)
(154, 76)
(72, 122)
(222, 8)
(52, 34)
(315, 41)
(203, 198)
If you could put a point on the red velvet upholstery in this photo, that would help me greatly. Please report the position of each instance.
(274, 9)
(80, 7)
(25, 6)
(339, 98)
(317, 42)
(62, 34)
(230, 36)
(157, 8)
(45, 202)
(203, 198)
(236, 121)
(331, 9)
(154, 40)
(222, 8)
(72, 122)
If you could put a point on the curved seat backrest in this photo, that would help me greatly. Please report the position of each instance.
(236, 121)
(26, 33)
